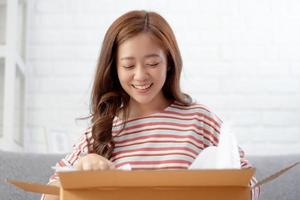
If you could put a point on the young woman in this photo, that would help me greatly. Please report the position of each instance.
(139, 114)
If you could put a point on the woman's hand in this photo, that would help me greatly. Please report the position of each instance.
(93, 162)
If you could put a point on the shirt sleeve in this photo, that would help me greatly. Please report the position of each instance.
(80, 148)
(245, 164)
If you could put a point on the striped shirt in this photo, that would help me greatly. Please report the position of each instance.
(169, 139)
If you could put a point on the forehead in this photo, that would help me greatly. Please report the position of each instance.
(139, 46)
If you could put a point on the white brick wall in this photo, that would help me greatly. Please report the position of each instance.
(1, 94)
(2, 23)
(241, 58)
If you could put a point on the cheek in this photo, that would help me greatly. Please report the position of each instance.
(120, 76)
(162, 74)
(123, 77)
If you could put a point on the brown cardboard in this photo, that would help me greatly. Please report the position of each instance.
(146, 185)
(35, 187)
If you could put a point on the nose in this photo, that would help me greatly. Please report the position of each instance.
(140, 73)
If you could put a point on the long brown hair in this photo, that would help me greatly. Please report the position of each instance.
(108, 98)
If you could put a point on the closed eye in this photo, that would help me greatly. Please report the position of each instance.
(128, 67)
(152, 64)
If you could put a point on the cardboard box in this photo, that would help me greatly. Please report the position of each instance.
(148, 185)
(166, 184)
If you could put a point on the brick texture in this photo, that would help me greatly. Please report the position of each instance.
(241, 59)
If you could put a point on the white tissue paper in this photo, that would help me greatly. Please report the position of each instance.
(224, 156)
(64, 169)
(126, 167)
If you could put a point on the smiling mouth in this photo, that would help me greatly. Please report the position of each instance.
(142, 87)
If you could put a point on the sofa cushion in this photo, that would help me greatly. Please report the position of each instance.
(37, 168)
(24, 166)
(283, 187)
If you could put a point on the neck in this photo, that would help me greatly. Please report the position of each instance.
(138, 110)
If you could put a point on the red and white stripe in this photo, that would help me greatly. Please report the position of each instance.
(170, 139)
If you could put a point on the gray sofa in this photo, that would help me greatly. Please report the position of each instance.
(36, 168)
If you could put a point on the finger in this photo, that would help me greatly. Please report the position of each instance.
(95, 167)
(99, 166)
(86, 166)
(78, 166)
(111, 165)
(104, 166)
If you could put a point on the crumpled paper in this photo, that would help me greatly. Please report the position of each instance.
(224, 156)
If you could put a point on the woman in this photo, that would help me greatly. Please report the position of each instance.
(139, 114)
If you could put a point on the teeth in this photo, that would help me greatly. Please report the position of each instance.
(141, 87)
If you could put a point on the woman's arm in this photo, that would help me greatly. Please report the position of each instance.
(79, 148)
(80, 159)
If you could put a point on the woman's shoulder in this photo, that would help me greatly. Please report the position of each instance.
(204, 118)
(193, 107)
(189, 106)
(85, 135)
(85, 140)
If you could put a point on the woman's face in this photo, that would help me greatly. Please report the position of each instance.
(142, 69)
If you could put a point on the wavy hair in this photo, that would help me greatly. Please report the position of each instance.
(108, 99)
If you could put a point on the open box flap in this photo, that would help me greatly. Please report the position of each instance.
(275, 175)
(35, 187)
(162, 178)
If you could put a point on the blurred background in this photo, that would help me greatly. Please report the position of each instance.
(241, 59)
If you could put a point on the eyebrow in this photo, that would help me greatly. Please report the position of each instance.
(147, 56)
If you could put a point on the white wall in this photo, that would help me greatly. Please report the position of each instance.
(2, 39)
(1, 94)
(2, 22)
(241, 58)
